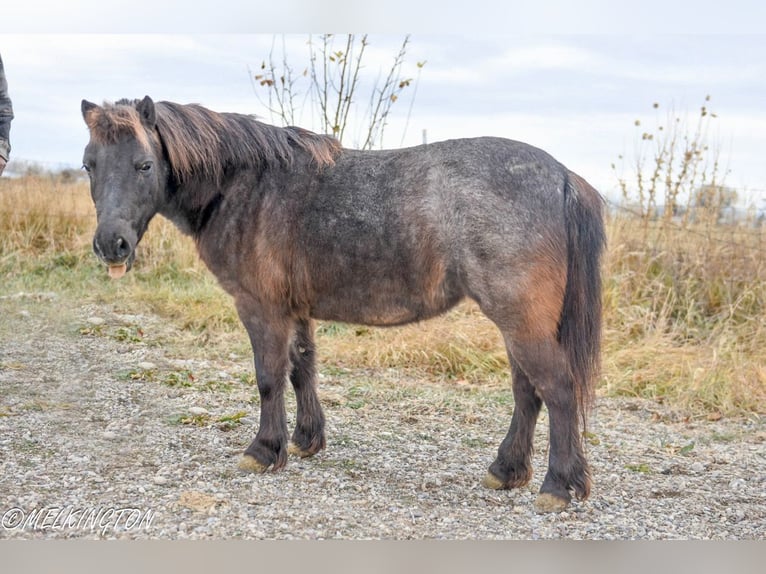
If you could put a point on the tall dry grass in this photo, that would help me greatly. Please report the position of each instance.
(43, 214)
(685, 315)
(685, 306)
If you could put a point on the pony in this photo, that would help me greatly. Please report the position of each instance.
(297, 228)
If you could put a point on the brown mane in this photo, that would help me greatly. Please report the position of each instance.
(111, 122)
(202, 144)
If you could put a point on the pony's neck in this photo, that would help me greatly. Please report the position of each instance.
(191, 209)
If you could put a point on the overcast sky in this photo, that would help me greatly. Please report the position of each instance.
(576, 96)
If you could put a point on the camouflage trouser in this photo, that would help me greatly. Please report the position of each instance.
(6, 115)
(5, 150)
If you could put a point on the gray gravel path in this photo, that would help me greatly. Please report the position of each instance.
(105, 433)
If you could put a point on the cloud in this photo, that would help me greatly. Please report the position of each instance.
(542, 57)
(574, 95)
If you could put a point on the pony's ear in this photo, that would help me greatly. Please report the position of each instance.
(146, 111)
(86, 108)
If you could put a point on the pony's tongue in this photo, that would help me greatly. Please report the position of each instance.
(117, 271)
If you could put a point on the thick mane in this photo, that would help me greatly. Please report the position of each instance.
(203, 144)
(111, 122)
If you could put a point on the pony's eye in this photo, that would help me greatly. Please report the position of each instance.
(86, 167)
(145, 167)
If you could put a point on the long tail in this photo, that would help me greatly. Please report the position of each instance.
(580, 325)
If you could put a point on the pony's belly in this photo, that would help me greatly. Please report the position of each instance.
(379, 310)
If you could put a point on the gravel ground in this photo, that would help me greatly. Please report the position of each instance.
(104, 434)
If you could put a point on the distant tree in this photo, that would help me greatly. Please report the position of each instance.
(713, 200)
(333, 83)
(715, 196)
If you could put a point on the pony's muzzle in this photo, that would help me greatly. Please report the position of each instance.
(115, 247)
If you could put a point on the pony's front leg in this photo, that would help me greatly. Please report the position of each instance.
(308, 437)
(270, 339)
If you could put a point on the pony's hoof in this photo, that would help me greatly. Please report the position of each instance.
(249, 463)
(294, 450)
(546, 502)
(492, 482)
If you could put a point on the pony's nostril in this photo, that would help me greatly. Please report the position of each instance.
(122, 248)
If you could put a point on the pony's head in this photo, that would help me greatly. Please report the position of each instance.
(128, 177)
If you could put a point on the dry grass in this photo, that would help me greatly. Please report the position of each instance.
(684, 309)
(43, 215)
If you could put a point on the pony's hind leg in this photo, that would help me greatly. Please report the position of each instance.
(513, 466)
(545, 364)
(308, 437)
(527, 313)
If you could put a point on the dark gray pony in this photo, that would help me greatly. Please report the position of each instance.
(297, 228)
